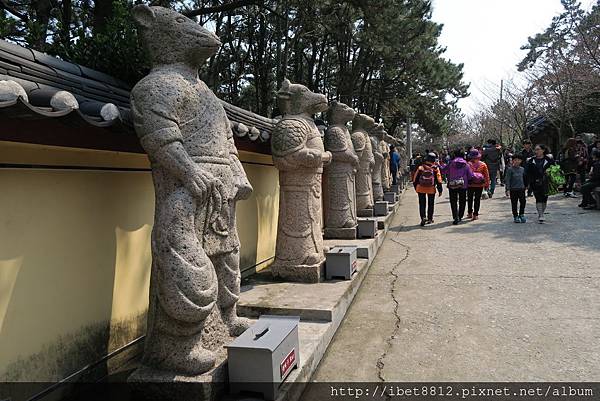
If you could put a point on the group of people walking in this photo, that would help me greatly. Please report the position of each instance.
(470, 175)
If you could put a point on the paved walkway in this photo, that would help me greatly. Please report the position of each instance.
(483, 301)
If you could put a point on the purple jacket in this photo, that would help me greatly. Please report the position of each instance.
(458, 168)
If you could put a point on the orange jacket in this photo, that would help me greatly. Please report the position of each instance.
(427, 190)
(480, 168)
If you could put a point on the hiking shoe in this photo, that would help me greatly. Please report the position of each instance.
(523, 219)
(516, 219)
(423, 222)
(455, 222)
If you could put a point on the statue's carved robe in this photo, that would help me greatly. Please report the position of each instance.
(341, 196)
(377, 170)
(364, 190)
(297, 153)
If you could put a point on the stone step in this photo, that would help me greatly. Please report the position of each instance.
(321, 307)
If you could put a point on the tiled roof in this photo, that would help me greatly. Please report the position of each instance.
(79, 97)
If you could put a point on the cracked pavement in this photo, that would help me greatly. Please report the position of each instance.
(489, 300)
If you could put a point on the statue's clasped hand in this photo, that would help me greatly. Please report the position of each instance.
(202, 185)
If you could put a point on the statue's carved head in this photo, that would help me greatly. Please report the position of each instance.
(339, 113)
(171, 37)
(378, 131)
(297, 99)
(363, 122)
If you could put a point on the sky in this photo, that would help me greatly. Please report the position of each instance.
(486, 35)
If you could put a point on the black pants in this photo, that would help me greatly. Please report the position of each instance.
(426, 203)
(586, 191)
(541, 196)
(474, 200)
(458, 202)
(571, 178)
(394, 176)
(518, 196)
(582, 170)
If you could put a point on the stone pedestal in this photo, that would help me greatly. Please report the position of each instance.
(313, 273)
(341, 233)
(365, 212)
(154, 385)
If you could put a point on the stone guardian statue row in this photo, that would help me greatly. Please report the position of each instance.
(198, 178)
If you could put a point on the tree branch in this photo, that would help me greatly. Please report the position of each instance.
(4, 5)
(223, 7)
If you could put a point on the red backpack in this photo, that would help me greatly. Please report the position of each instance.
(427, 177)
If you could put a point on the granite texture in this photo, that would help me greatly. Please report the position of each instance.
(361, 125)
(386, 174)
(375, 135)
(340, 200)
(198, 179)
(299, 155)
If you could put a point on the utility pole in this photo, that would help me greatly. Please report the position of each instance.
(409, 136)
(500, 108)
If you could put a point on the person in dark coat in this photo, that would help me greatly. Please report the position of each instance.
(592, 183)
(535, 170)
(492, 155)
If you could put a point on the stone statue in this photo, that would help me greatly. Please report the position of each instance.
(362, 145)
(387, 142)
(340, 202)
(376, 135)
(198, 178)
(386, 175)
(299, 156)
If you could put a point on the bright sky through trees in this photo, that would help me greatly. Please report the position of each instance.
(486, 36)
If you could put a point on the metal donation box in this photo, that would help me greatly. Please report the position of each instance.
(390, 197)
(367, 228)
(264, 355)
(380, 208)
(341, 262)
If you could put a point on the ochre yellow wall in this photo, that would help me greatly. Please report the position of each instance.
(75, 252)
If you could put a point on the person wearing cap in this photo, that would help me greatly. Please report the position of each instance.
(476, 186)
(427, 180)
(515, 185)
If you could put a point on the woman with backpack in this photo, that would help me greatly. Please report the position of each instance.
(481, 180)
(458, 173)
(537, 177)
(426, 181)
